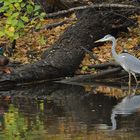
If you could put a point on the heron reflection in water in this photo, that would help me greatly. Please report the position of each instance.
(128, 106)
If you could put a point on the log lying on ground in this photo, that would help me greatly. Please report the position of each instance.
(105, 74)
(64, 57)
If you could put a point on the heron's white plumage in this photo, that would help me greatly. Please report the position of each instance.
(129, 62)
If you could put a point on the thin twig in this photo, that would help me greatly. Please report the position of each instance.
(56, 24)
(90, 53)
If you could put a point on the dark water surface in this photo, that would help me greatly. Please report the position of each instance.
(67, 112)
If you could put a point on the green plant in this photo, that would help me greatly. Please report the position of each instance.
(42, 40)
(17, 15)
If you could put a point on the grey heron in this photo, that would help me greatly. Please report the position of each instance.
(128, 62)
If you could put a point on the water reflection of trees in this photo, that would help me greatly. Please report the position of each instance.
(62, 110)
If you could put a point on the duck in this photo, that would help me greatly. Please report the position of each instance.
(4, 61)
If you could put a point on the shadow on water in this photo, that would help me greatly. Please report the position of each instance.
(59, 111)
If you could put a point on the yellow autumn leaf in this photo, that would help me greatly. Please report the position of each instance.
(11, 29)
(130, 46)
(138, 54)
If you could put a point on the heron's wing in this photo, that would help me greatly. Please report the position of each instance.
(129, 62)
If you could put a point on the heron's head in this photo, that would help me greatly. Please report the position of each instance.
(105, 38)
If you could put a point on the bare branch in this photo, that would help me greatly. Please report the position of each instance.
(56, 24)
(96, 6)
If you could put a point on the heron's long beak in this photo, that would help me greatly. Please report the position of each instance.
(100, 40)
(97, 41)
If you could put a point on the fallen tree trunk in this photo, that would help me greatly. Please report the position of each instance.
(64, 57)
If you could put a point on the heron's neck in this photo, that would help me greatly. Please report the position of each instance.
(114, 54)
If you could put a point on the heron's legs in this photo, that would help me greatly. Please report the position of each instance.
(129, 83)
(135, 77)
(136, 82)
